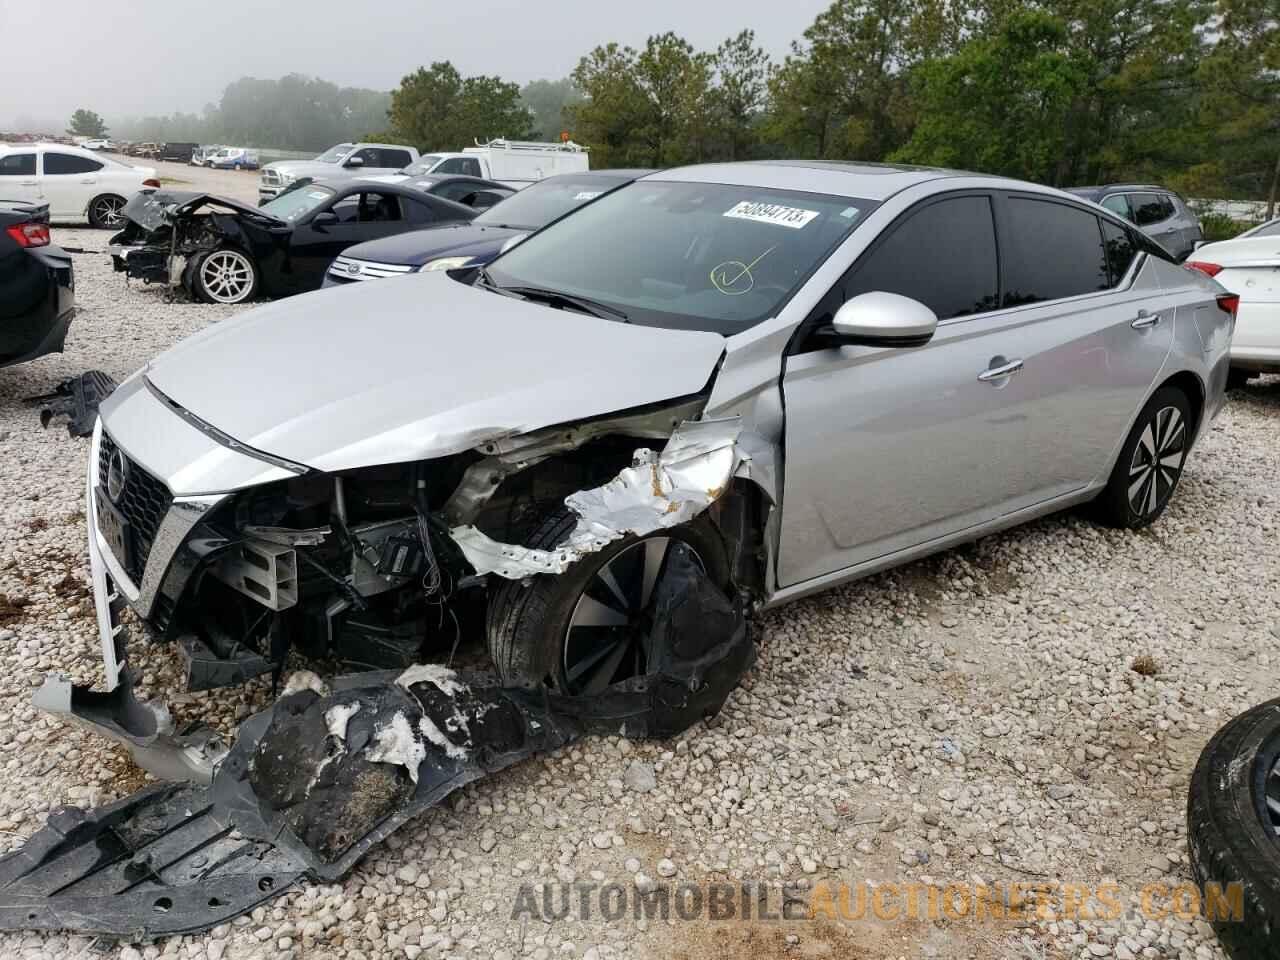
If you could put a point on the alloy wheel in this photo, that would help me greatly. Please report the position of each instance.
(604, 642)
(1157, 461)
(107, 211)
(226, 276)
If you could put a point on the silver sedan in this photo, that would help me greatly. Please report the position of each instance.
(787, 374)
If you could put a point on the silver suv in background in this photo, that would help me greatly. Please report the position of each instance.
(1159, 213)
(341, 161)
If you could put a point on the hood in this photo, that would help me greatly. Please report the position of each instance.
(150, 209)
(307, 168)
(422, 367)
(1249, 250)
(446, 240)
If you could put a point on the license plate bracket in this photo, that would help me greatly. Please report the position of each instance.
(115, 531)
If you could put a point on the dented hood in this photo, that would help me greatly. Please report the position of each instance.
(416, 367)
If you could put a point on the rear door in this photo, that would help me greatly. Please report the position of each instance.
(1096, 329)
(18, 180)
(69, 182)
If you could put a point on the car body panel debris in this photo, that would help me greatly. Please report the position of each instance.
(330, 770)
(77, 399)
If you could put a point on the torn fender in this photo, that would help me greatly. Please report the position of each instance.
(658, 491)
(313, 783)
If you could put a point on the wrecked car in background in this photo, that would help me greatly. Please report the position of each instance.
(223, 251)
(710, 391)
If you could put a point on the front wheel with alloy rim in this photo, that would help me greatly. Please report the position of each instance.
(106, 212)
(1150, 462)
(225, 276)
(585, 629)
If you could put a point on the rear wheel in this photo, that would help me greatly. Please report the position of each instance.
(580, 631)
(1150, 463)
(225, 276)
(106, 212)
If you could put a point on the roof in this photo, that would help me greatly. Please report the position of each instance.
(871, 181)
(1099, 190)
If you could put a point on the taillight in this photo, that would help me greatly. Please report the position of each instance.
(151, 182)
(1212, 269)
(1229, 302)
(29, 234)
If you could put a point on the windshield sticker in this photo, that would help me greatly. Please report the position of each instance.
(588, 194)
(793, 217)
(850, 213)
(733, 278)
(317, 194)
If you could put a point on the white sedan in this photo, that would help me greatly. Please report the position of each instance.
(1249, 267)
(77, 184)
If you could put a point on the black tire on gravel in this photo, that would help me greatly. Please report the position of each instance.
(1113, 506)
(527, 619)
(1230, 835)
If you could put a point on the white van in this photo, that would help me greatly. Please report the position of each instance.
(516, 163)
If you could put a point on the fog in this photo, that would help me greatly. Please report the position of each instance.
(133, 57)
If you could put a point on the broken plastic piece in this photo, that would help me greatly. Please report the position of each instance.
(656, 492)
(77, 399)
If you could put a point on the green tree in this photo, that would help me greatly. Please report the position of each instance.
(439, 109)
(547, 100)
(86, 123)
(613, 109)
(740, 92)
(998, 104)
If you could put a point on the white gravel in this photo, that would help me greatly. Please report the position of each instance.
(970, 717)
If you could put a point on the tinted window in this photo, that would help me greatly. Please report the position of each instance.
(395, 158)
(1166, 206)
(1118, 203)
(18, 165)
(1120, 250)
(944, 256)
(1148, 208)
(1054, 251)
(467, 166)
(417, 212)
(61, 163)
(455, 190)
(368, 208)
(484, 199)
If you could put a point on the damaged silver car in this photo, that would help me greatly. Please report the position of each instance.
(713, 390)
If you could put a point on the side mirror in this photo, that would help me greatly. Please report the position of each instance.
(324, 218)
(355, 162)
(879, 319)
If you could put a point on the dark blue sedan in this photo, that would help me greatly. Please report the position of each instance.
(481, 240)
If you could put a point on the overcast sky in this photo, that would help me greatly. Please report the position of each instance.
(131, 57)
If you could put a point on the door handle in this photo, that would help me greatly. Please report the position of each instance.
(1144, 320)
(27, 183)
(1000, 372)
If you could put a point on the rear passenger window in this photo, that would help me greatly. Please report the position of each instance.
(944, 256)
(67, 163)
(1120, 250)
(395, 158)
(1054, 251)
(1148, 208)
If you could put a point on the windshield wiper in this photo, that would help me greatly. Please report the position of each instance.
(593, 307)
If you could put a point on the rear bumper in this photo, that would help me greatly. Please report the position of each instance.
(1255, 344)
(37, 304)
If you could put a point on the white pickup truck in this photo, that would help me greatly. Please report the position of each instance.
(516, 163)
(341, 161)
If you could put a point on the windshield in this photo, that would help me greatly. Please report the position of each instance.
(295, 204)
(537, 205)
(687, 256)
(336, 154)
(424, 165)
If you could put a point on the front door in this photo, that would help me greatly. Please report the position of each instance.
(361, 216)
(890, 448)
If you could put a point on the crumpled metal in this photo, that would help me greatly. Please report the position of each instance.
(658, 491)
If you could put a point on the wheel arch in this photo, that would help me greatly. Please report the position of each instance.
(1193, 388)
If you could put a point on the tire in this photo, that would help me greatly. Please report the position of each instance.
(1163, 427)
(225, 275)
(105, 211)
(1237, 378)
(528, 621)
(1230, 836)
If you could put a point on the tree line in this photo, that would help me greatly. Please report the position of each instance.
(1063, 92)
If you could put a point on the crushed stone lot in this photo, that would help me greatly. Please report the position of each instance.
(1025, 709)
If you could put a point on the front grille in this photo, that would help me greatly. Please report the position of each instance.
(345, 269)
(270, 177)
(143, 503)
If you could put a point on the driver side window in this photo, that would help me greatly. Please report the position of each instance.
(368, 208)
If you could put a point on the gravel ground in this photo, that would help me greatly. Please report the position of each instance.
(975, 717)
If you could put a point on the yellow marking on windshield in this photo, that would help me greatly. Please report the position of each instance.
(733, 286)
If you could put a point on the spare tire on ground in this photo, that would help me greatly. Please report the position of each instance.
(1233, 830)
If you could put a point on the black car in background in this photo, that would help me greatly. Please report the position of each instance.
(226, 251)
(478, 242)
(475, 192)
(1157, 211)
(37, 288)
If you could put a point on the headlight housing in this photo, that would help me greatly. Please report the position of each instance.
(444, 263)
